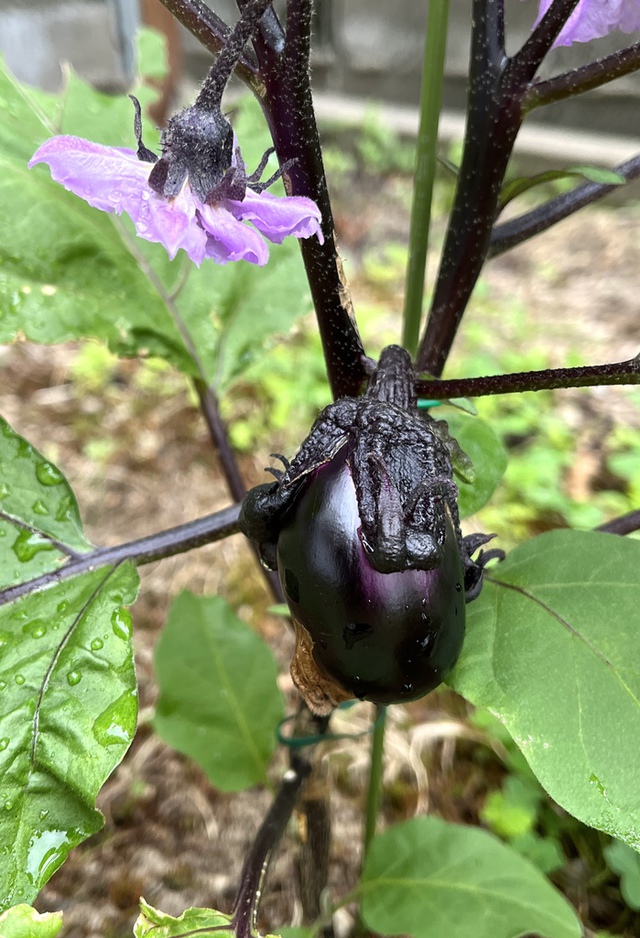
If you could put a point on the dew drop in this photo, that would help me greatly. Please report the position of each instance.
(65, 509)
(39, 507)
(47, 474)
(20, 679)
(28, 544)
(3, 684)
(73, 678)
(4, 742)
(35, 629)
(458, 587)
(97, 644)
(5, 489)
(43, 814)
(63, 606)
(407, 688)
(110, 728)
(121, 623)
(8, 805)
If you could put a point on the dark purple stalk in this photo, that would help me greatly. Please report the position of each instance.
(625, 524)
(288, 107)
(220, 72)
(497, 86)
(144, 550)
(584, 376)
(582, 79)
(230, 470)
(212, 32)
(245, 913)
(514, 232)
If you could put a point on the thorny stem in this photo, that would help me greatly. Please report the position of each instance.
(584, 376)
(144, 550)
(514, 232)
(497, 85)
(220, 73)
(212, 32)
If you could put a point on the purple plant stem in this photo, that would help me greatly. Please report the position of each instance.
(585, 78)
(218, 433)
(229, 56)
(144, 550)
(584, 376)
(288, 108)
(497, 86)
(514, 232)
(212, 32)
(625, 524)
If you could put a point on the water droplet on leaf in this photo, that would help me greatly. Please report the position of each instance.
(28, 544)
(121, 623)
(20, 679)
(97, 644)
(39, 507)
(4, 742)
(73, 678)
(47, 474)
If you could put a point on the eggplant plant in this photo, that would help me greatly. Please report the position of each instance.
(359, 533)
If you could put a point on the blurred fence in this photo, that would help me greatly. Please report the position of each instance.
(362, 48)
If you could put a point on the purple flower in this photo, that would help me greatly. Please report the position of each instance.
(114, 179)
(592, 19)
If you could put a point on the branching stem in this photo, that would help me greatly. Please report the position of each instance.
(144, 550)
(514, 232)
(584, 376)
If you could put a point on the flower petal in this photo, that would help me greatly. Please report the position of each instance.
(108, 178)
(593, 19)
(276, 217)
(230, 240)
(113, 179)
(171, 222)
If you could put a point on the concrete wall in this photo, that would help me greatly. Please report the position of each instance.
(366, 48)
(95, 36)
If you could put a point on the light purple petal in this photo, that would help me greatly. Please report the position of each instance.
(593, 19)
(172, 223)
(108, 178)
(229, 239)
(113, 179)
(276, 217)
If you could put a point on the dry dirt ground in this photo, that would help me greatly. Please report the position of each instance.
(169, 836)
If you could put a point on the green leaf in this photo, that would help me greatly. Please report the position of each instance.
(154, 922)
(552, 650)
(478, 440)
(516, 187)
(160, 925)
(22, 921)
(428, 879)
(626, 863)
(67, 682)
(39, 519)
(71, 271)
(68, 716)
(219, 702)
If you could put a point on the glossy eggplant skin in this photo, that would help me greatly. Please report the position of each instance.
(384, 637)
